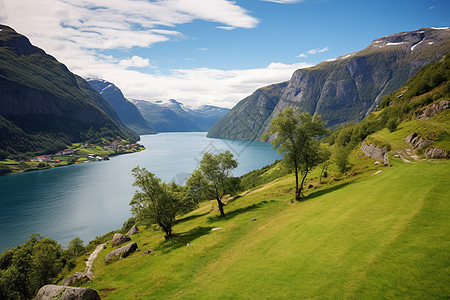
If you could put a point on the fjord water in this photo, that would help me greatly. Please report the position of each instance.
(91, 199)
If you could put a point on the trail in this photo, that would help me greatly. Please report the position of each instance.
(91, 259)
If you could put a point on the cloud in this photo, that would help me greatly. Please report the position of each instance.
(79, 33)
(283, 1)
(313, 52)
(135, 61)
(194, 86)
(226, 27)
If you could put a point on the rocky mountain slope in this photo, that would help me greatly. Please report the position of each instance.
(342, 91)
(173, 116)
(43, 106)
(127, 111)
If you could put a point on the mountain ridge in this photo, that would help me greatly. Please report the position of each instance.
(44, 106)
(342, 91)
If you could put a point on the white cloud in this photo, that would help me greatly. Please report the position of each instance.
(226, 27)
(135, 61)
(194, 86)
(77, 33)
(313, 52)
(283, 1)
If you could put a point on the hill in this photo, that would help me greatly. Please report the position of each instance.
(127, 111)
(173, 116)
(341, 91)
(43, 106)
(384, 236)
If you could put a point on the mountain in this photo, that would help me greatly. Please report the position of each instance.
(173, 116)
(127, 111)
(43, 106)
(342, 91)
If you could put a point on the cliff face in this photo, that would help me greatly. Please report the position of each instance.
(50, 105)
(344, 90)
(127, 111)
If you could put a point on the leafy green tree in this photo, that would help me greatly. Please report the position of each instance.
(75, 248)
(341, 154)
(295, 135)
(46, 261)
(213, 178)
(158, 202)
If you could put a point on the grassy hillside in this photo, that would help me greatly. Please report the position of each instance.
(384, 236)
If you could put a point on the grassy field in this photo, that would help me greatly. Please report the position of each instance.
(384, 236)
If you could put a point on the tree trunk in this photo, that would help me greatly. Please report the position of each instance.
(222, 213)
(321, 173)
(297, 192)
(301, 187)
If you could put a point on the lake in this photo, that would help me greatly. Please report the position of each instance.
(91, 199)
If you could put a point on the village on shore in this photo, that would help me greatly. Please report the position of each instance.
(78, 153)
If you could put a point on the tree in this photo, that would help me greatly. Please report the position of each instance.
(158, 202)
(341, 154)
(295, 135)
(75, 248)
(213, 178)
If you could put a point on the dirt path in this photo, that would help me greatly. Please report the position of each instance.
(91, 259)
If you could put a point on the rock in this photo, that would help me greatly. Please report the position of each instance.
(122, 252)
(377, 163)
(254, 219)
(385, 159)
(50, 292)
(120, 239)
(436, 153)
(375, 152)
(433, 109)
(397, 156)
(416, 141)
(133, 230)
(217, 228)
(78, 277)
(188, 244)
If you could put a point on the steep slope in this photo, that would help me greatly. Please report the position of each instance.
(45, 106)
(173, 116)
(342, 91)
(127, 111)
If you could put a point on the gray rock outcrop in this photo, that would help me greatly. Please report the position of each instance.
(119, 239)
(76, 278)
(133, 230)
(375, 152)
(416, 141)
(433, 109)
(52, 292)
(122, 251)
(436, 153)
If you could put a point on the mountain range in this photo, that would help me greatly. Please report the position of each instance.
(127, 111)
(173, 116)
(344, 90)
(44, 106)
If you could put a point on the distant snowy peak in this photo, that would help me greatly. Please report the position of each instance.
(409, 41)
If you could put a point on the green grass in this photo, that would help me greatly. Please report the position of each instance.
(383, 236)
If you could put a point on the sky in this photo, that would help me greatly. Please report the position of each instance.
(213, 52)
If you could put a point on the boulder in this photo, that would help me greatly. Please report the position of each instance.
(133, 230)
(375, 152)
(119, 239)
(122, 251)
(416, 141)
(51, 292)
(433, 109)
(76, 278)
(436, 153)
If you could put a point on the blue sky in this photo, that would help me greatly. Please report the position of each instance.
(208, 51)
